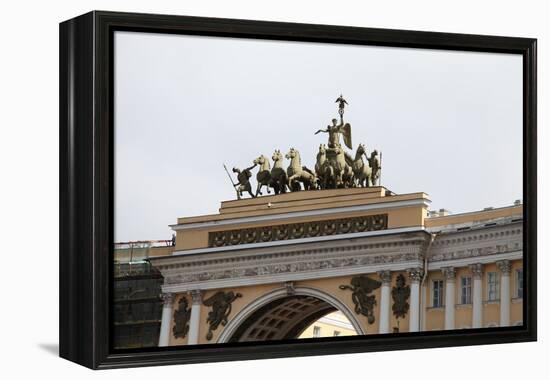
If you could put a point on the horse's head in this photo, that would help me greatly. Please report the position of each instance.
(260, 160)
(374, 153)
(277, 155)
(322, 149)
(361, 149)
(291, 154)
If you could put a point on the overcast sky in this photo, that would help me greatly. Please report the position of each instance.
(448, 123)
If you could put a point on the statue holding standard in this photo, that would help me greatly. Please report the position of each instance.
(243, 178)
(376, 165)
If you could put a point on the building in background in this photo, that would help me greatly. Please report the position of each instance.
(137, 294)
(333, 324)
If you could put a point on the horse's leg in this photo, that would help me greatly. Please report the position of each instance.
(259, 189)
(282, 182)
(309, 183)
(328, 175)
(290, 182)
(294, 183)
(249, 190)
(271, 184)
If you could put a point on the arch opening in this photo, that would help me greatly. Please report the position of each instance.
(280, 315)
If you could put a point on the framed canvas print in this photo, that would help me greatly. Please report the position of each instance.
(236, 189)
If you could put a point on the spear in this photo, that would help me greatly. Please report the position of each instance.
(380, 176)
(231, 179)
(229, 175)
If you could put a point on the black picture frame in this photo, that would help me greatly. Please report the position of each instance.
(86, 187)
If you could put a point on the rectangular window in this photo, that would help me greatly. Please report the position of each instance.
(316, 331)
(519, 283)
(466, 290)
(492, 286)
(437, 300)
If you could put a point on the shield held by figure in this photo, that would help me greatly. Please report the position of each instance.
(346, 134)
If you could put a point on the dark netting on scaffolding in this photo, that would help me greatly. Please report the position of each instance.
(137, 305)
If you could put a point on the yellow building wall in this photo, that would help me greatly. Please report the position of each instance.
(249, 294)
(475, 216)
(328, 329)
(435, 317)
(197, 236)
(516, 308)
(463, 312)
(330, 286)
(403, 217)
(491, 309)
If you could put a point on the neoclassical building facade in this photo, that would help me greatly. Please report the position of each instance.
(267, 268)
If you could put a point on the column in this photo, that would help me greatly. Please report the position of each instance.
(415, 275)
(505, 267)
(477, 275)
(450, 278)
(194, 320)
(384, 325)
(167, 311)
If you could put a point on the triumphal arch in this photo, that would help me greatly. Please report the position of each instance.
(266, 268)
(330, 239)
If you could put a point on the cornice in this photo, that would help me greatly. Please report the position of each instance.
(318, 239)
(386, 205)
(296, 262)
(492, 241)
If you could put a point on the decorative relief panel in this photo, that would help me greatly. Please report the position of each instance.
(181, 319)
(400, 294)
(221, 308)
(471, 244)
(303, 266)
(362, 286)
(298, 230)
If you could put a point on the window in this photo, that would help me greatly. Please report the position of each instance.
(519, 283)
(492, 286)
(466, 290)
(437, 300)
(336, 333)
(316, 331)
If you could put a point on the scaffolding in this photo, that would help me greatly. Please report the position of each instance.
(136, 294)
